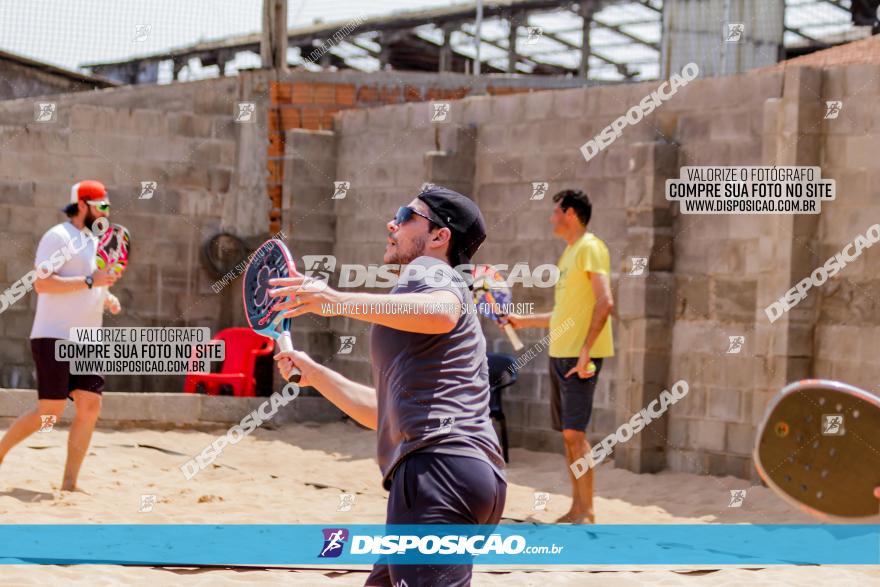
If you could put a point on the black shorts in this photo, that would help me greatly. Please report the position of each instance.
(571, 400)
(54, 380)
(437, 488)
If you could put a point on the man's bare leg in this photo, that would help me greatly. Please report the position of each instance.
(29, 422)
(88, 408)
(576, 447)
(566, 518)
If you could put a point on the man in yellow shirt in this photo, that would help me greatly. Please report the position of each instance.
(580, 334)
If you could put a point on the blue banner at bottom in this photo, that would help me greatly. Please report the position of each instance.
(507, 544)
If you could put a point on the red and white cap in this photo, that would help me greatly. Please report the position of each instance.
(90, 191)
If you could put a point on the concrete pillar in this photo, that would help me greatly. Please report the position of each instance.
(309, 222)
(792, 136)
(646, 305)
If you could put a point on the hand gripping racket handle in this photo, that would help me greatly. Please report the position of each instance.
(285, 345)
(513, 337)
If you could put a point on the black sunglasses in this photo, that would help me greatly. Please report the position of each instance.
(405, 213)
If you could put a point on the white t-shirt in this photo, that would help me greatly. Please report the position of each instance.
(67, 251)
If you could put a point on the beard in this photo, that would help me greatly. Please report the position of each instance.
(402, 257)
(90, 218)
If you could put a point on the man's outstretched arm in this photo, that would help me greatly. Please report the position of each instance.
(435, 312)
(355, 399)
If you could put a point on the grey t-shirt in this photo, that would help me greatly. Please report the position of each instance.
(433, 389)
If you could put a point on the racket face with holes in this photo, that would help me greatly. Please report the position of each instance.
(819, 448)
(491, 292)
(272, 260)
(113, 248)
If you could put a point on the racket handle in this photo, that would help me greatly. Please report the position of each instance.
(285, 345)
(513, 337)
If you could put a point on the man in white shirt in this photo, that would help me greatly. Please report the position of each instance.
(71, 294)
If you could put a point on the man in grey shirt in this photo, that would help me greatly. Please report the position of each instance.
(437, 450)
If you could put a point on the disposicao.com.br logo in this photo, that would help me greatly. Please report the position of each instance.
(429, 544)
(323, 267)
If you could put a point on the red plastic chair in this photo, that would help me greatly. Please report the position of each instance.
(243, 346)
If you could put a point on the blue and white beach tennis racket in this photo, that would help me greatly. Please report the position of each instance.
(271, 261)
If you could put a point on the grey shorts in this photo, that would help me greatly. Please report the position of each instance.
(437, 488)
(571, 399)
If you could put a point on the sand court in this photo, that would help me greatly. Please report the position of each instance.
(295, 475)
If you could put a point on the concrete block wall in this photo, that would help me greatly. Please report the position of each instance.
(847, 330)
(212, 175)
(202, 97)
(722, 266)
(311, 100)
(20, 79)
(310, 224)
(515, 140)
(774, 120)
(382, 154)
(646, 302)
(524, 139)
(181, 136)
(505, 144)
(709, 278)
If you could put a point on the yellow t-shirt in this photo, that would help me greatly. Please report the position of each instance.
(574, 298)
